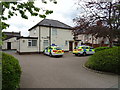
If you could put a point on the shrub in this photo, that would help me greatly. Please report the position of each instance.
(101, 48)
(105, 60)
(11, 72)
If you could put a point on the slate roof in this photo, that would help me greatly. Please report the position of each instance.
(9, 35)
(52, 23)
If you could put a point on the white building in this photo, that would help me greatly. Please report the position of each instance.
(10, 44)
(10, 40)
(45, 33)
(91, 40)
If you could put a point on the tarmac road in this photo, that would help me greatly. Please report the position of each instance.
(41, 71)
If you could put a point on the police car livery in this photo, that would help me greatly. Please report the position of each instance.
(83, 50)
(53, 50)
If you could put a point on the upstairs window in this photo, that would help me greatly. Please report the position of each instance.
(54, 31)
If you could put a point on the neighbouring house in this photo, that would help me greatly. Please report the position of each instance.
(10, 40)
(88, 39)
(45, 33)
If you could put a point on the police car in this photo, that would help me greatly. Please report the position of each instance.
(83, 50)
(53, 50)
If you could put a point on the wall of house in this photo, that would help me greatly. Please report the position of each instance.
(34, 32)
(88, 39)
(62, 37)
(13, 43)
(44, 36)
(24, 48)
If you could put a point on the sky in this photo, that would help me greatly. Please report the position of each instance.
(64, 11)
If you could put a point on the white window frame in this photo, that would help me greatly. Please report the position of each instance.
(31, 43)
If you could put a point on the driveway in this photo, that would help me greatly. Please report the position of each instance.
(40, 71)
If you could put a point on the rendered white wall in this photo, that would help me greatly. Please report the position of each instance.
(23, 43)
(13, 43)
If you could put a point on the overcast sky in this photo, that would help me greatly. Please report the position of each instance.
(64, 11)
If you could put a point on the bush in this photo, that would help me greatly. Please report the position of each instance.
(105, 60)
(101, 48)
(11, 72)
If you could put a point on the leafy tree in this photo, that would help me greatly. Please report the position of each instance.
(100, 19)
(13, 8)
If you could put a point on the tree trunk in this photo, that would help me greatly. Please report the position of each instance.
(92, 40)
(110, 42)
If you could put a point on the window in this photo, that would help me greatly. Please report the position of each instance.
(32, 42)
(54, 31)
(66, 42)
(85, 47)
(35, 31)
(58, 48)
(29, 42)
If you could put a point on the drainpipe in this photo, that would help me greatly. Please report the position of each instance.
(39, 39)
(19, 45)
(50, 35)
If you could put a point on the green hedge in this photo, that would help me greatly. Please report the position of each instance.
(11, 72)
(106, 60)
(101, 48)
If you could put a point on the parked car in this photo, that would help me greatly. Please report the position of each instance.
(53, 51)
(83, 50)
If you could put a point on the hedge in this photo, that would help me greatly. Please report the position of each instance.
(101, 48)
(11, 72)
(106, 60)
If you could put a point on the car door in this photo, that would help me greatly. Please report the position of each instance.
(86, 49)
(91, 50)
(50, 50)
(46, 51)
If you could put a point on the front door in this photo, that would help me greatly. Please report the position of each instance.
(76, 44)
(8, 45)
(70, 46)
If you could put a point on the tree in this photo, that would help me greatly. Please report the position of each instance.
(13, 8)
(101, 19)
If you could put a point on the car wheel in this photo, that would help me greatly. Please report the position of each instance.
(84, 53)
(76, 54)
(50, 54)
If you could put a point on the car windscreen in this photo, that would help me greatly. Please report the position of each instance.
(85, 47)
(58, 48)
(76, 47)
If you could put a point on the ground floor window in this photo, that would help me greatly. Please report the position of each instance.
(32, 42)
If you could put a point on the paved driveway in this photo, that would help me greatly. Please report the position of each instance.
(40, 71)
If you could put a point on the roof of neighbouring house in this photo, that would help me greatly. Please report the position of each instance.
(27, 37)
(52, 23)
(9, 35)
